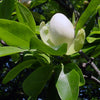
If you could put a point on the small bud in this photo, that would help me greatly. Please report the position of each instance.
(86, 2)
(26, 2)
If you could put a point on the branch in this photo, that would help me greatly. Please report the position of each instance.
(95, 68)
(92, 78)
(90, 61)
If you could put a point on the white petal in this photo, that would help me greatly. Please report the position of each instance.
(77, 43)
(61, 30)
(79, 40)
(44, 34)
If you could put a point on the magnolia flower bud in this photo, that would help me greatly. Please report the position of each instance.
(61, 30)
(26, 2)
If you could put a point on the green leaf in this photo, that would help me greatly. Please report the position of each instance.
(99, 22)
(38, 44)
(67, 85)
(98, 9)
(6, 8)
(72, 66)
(90, 10)
(37, 2)
(73, 19)
(8, 50)
(92, 39)
(15, 57)
(16, 70)
(15, 33)
(38, 29)
(96, 52)
(25, 16)
(94, 32)
(89, 25)
(38, 17)
(36, 81)
(85, 50)
(45, 58)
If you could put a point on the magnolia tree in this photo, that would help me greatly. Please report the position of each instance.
(59, 38)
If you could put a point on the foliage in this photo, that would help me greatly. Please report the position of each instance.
(39, 65)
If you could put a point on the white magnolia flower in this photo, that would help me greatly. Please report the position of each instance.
(58, 31)
(61, 30)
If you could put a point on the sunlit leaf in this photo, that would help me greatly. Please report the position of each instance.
(45, 57)
(92, 39)
(95, 32)
(85, 50)
(70, 66)
(90, 10)
(25, 16)
(8, 50)
(67, 85)
(15, 33)
(38, 44)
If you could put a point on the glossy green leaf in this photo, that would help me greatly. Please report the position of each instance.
(6, 8)
(36, 81)
(72, 66)
(95, 32)
(90, 10)
(25, 16)
(67, 85)
(17, 69)
(92, 39)
(15, 33)
(38, 44)
(8, 50)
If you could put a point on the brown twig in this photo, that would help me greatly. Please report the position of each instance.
(90, 61)
(95, 68)
(92, 78)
